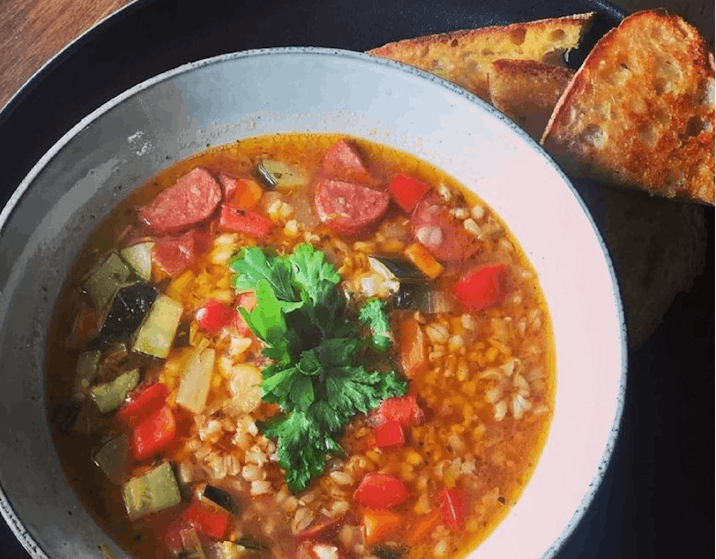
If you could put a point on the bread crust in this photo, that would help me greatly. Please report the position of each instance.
(464, 57)
(527, 91)
(640, 110)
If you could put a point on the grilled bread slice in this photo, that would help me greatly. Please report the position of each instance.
(464, 57)
(640, 110)
(527, 91)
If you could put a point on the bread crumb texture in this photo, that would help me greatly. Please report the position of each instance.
(640, 110)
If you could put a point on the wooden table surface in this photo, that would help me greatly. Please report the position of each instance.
(33, 31)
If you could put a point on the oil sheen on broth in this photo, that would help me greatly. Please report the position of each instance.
(399, 332)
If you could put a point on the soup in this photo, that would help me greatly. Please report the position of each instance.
(300, 346)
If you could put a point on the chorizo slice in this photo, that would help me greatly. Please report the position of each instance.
(348, 208)
(440, 233)
(191, 200)
(344, 162)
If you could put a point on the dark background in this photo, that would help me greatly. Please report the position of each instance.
(656, 499)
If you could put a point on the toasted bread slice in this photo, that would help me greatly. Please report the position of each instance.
(527, 91)
(464, 57)
(640, 110)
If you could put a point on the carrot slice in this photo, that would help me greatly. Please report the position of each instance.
(379, 524)
(247, 194)
(413, 348)
(422, 527)
(421, 257)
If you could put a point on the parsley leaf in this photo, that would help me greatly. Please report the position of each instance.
(372, 314)
(315, 377)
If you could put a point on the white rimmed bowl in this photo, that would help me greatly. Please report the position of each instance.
(75, 185)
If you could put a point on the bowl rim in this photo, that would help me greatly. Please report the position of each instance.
(6, 509)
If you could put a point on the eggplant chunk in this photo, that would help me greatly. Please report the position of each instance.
(156, 334)
(139, 257)
(65, 415)
(277, 174)
(111, 458)
(127, 312)
(109, 395)
(399, 269)
(87, 368)
(222, 498)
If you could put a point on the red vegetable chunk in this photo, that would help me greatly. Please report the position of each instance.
(405, 410)
(389, 435)
(176, 254)
(208, 521)
(380, 491)
(452, 507)
(348, 208)
(154, 434)
(481, 287)
(406, 191)
(240, 220)
(445, 237)
(212, 316)
(142, 403)
(343, 162)
(322, 529)
(191, 200)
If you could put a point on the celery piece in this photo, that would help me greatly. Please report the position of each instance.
(156, 334)
(87, 367)
(139, 257)
(109, 395)
(105, 280)
(154, 491)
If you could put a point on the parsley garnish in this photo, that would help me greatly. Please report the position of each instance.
(314, 376)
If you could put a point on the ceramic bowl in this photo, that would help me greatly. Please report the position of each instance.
(75, 185)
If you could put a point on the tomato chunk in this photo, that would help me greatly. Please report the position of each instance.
(153, 434)
(142, 403)
(213, 316)
(406, 191)
(244, 221)
(452, 508)
(403, 410)
(380, 491)
(389, 435)
(481, 287)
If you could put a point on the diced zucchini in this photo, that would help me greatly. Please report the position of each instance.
(112, 456)
(109, 395)
(196, 381)
(277, 174)
(156, 333)
(87, 367)
(154, 491)
(89, 420)
(105, 280)
(129, 307)
(139, 257)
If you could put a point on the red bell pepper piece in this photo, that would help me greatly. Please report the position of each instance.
(244, 221)
(142, 403)
(208, 520)
(380, 491)
(213, 316)
(406, 191)
(452, 508)
(481, 287)
(389, 435)
(404, 410)
(154, 434)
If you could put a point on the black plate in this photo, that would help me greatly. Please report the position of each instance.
(657, 496)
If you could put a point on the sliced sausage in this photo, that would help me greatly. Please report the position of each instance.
(176, 254)
(190, 201)
(348, 208)
(343, 162)
(440, 233)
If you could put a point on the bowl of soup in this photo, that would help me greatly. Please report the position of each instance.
(302, 303)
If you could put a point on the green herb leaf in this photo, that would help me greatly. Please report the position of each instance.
(253, 265)
(373, 316)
